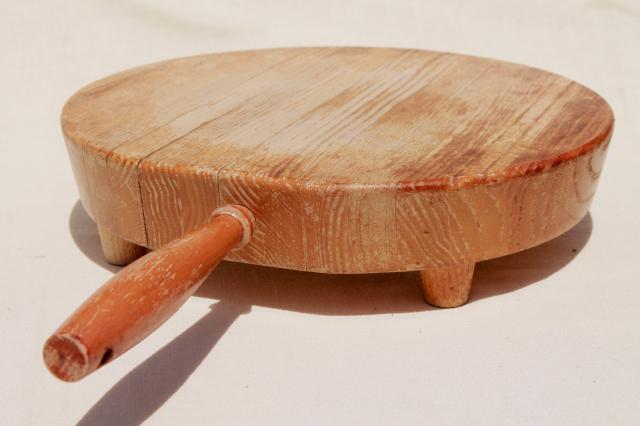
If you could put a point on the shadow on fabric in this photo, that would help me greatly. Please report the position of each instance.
(237, 287)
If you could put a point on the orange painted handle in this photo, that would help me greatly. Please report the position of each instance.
(142, 296)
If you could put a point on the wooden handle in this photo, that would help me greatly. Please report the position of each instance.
(143, 295)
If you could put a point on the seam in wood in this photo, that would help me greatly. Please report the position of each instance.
(201, 105)
(144, 219)
(307, 113)
(139, 162)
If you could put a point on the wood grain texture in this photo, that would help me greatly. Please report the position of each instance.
(352, 159)
(447, 287)
(142, 296)
(116, 250)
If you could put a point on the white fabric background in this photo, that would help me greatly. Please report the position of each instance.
(552, 336)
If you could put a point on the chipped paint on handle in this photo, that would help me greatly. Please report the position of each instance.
(142, 296)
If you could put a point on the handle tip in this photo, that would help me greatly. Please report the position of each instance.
(146, 293)
(66, 357)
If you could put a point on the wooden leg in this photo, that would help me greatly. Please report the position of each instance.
(116, 250)
(447, 287)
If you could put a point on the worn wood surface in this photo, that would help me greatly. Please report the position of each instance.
(447, 287)
(118, 251)
(142, 296)
(353, 160)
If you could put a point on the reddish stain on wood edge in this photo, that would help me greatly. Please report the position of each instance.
(516, 171)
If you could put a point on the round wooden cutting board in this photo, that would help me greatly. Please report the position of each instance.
(338, 160)
(352, 159)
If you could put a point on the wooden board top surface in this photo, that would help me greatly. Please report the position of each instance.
(373, 117)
